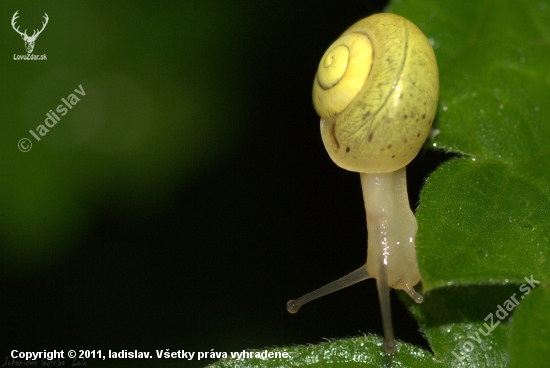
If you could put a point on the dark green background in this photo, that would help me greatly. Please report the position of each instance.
(188, 195)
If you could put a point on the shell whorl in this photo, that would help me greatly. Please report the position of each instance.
(342, 72)
(376, 91)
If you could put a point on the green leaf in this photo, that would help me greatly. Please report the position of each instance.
(453, 320)
(482, 221)
(529, 344)
(365, 351)
(483, 217)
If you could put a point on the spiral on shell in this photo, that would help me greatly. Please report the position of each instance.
(376, 91)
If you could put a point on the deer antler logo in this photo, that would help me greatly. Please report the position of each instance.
(29, 40)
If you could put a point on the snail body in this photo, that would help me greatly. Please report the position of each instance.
(376, 91)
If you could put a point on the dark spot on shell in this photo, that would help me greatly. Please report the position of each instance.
(400, 96)
(393, 156)
(417, 119)
(405, 116)
(418, 135)
(389, 146)
(405, 140)
(333, 134)
(370, 137)
(347, 149)
(366, 115)
(423, 116)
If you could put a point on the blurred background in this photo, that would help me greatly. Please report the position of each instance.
(187, 196)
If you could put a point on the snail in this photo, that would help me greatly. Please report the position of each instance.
(376, 91)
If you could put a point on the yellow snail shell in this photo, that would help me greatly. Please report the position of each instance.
(376, 91)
